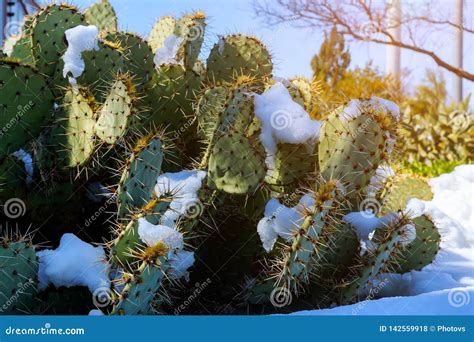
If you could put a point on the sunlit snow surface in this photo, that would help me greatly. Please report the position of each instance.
(446, 287)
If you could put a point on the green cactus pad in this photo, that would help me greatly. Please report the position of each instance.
(127, 241)
(401, 188)
(115, 115)
(25, 106)
(170, 96)
(210, 108)
(339, 247)
(101, 66)
(73, 135)
(140, 289)
(239, 115)
(49, 43)
(164, 27)
(191, 28)
(237, 164)
(18, 283)
(351, 149)
(102, 15)
(237, 55)
(138, 57)
(298, 263)
(422, 251)
(376, 262)
(293, 164)
(12, 179)
(22, 50)
(139, 177)
(304, 92)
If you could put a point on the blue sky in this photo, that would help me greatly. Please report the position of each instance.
(292, 48)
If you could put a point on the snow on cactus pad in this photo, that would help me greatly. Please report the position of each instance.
(284, 121)
(73, 263)
(449, 279)
(80, 38)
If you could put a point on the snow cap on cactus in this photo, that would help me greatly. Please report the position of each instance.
(365, 222)
(356, 107)
(183, 186)
(167, 54)
(280, 220)
(80, 38)
(180, 262)
(73, 263)
(283, 120)
(152, 234)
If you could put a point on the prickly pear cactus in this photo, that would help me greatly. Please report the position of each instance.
(136, 187)
(47, 34)
(18, 286)
(237, 55)
(116, 113)
(102, 15)
(401, 188)
(100, 142)
(74, 129)
(140, 289)
(26, 105)
(422, 251)
(355, 140)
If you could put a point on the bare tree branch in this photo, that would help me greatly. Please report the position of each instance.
(363, 20)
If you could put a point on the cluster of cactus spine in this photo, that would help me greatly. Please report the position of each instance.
(118, 126)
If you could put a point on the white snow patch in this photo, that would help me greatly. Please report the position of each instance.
(27, 160)
(432, 290)
(9, 44)
(355, 108)
(365, 222)
(283, 121)
(152, 234)
(351, 111)
(73, 263)
(378, 179)
(184, 187)
(279, 220)
(168, 52)
(80, 38)
(180, 262)
(386, 106)
(414, 208)
(221, 45)
(96, 312)
(408, 235)
(433, 303)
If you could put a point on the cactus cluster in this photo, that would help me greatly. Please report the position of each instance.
(143, 109)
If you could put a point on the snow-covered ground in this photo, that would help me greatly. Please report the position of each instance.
(446, 287)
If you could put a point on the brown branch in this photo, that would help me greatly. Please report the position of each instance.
(327, 13)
